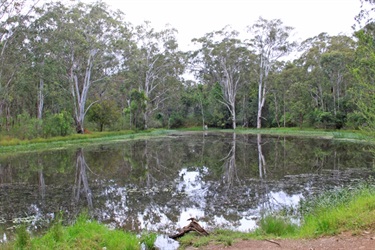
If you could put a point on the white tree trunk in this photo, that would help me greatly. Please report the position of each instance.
(80, 94)
(261, 159)
(40, 99)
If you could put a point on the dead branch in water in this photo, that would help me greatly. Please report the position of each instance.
(193, 226)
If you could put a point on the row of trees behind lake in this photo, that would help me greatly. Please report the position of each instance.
(69, 67)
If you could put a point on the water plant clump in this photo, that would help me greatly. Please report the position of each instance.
(272, 225)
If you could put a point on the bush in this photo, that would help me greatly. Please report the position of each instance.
(356, 120)
(26, 127)
(58, 125)
(176, 120)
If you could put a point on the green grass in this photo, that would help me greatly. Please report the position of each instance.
(340, 210)
(83, 234)
(276, 226)
(218, 236)
(148, 239)
(309, 132)
(8, 144)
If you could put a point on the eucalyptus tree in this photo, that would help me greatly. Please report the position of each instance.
(15, 15)
(223, 58)
(363, 71)
(271, 42)
(44, 71)
(325, 60)
(295, 95)
(156, 66)
(363, 67)
(335, 64)
(365, 15)
(312, 50)
(86, 40)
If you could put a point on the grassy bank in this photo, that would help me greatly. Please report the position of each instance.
(333, 212)
(10, 144)
(320, 133)
(83, 234)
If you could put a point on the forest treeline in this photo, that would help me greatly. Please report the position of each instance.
(70, 68)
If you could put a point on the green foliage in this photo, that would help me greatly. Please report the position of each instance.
(272, 225)
(83, 234)
(217, 114)
(194, 239)
(57, 230)
(148, 239)
(144, 79)
(176, 120)
(322, 119)
(338, 210)
(58, 124)
(104, 113)
(137, 108)
(356, 120)
(23, 239)
(27, 127)
(363, 72)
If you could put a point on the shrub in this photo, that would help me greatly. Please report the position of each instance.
(58, 125)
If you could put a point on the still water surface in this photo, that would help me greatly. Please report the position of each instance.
(225, 180)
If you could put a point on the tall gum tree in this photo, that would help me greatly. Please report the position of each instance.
(87, 41)
(158, 64)
(223, 59)
(335, 62)
(271, 42)
(325, 60)
(15, 16)
(363, 71)
(310, 59)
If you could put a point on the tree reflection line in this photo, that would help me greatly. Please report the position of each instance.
(81, 182)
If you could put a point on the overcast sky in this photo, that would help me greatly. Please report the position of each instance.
(194, 18)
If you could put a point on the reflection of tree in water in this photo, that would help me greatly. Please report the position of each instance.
(81, 184)
(261, 159)
(264, 198)
(230, 171)
(143, 199)
(42, 184)
(152, 184)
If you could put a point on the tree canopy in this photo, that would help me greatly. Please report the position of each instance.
(82, 67)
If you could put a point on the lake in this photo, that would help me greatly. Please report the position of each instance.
(225, 180)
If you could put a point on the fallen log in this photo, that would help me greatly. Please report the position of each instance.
(193, 226)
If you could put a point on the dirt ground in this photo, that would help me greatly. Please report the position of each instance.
(345, 241)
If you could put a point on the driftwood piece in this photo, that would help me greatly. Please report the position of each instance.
(193, 226)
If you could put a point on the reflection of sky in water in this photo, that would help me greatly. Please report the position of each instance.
(191, 183)
(165, 243)
(151, 225)
(115, 210)
(281, 198)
